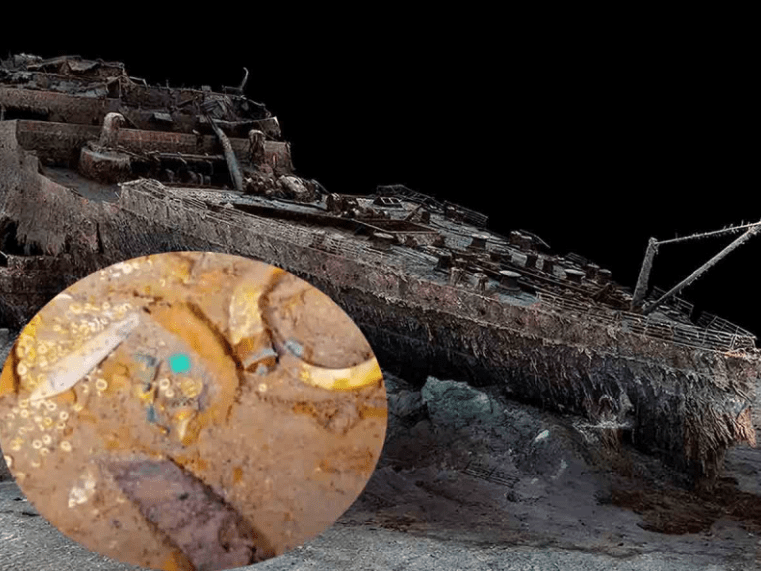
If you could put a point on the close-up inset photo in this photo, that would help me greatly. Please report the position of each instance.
(192, 411)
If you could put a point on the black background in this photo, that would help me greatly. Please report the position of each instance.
(595, 137)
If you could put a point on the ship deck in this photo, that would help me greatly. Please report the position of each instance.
(84, 187)
(339, 239)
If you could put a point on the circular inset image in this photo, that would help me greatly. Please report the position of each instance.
(192, 411)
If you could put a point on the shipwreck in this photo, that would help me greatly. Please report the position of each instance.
(97, 166)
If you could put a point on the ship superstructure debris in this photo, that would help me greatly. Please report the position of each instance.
(435, 291)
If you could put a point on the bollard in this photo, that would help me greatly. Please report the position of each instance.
(574, 276)
(509, 280)
(109, 134)
(382, 240)
(516, 238)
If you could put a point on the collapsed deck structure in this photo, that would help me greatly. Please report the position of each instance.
(97, 166)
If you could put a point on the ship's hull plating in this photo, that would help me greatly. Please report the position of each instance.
(684, 404)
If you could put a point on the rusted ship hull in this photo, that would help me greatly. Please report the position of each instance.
(686, 403)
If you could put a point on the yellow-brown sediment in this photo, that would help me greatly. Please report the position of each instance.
(182, 321)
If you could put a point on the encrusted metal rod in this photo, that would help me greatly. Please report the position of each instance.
(702, 269)
(109, 134)
(243, 83)
(232, 161)
(644, 274)
(721, 232)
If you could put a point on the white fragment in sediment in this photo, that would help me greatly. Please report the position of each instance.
(83, 492)
(561, 469)
(69, 370)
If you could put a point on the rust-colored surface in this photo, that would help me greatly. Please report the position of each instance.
(232, 383)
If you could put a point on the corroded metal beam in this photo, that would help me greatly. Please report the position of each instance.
(644, 274)
(232, 162)
(702, 269)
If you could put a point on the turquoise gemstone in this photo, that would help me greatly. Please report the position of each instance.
(180, 363)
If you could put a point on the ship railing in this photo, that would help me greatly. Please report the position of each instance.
(474, 217)
(681, 305)
(409, 194)
(468, 215)
(709, 320)
(637, 324)
(396, 257)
